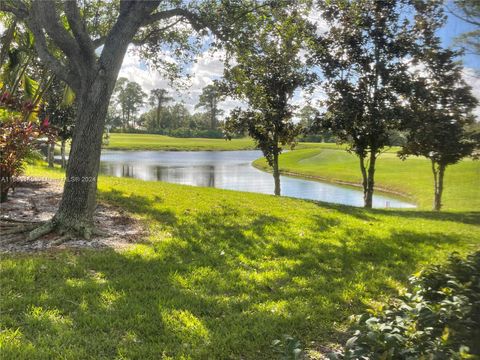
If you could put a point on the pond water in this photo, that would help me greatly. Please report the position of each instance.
(227, 170)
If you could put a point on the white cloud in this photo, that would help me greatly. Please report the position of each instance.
(206, 68)
(316, 18)
(472, 77)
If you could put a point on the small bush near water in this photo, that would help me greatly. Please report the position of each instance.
(440, 319)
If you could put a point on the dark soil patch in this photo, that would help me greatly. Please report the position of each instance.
(36, 200)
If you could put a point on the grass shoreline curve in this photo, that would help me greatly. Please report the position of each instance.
(411, 179)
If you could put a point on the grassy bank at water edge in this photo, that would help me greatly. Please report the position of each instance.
(412, 177)
(161, 142)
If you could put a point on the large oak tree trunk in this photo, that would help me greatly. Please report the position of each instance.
(78, 201)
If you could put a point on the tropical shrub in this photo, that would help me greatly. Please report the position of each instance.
(18, 139)
(439, 319)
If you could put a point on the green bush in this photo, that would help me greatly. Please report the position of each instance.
(439, 319)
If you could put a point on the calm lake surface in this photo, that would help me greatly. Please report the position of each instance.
(227, 170)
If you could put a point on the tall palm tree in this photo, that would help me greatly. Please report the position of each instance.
(158, 98)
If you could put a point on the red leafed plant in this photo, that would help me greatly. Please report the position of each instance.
(18, 138)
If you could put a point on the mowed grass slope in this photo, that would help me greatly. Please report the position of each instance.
(221, 276)
(161, 142)
(412, 177)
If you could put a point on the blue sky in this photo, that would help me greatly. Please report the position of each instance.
(454, 28)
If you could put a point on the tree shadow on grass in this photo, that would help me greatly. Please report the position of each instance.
(140, 205)
(464, 217)
(225, 284)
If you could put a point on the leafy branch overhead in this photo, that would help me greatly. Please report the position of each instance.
(90, 33)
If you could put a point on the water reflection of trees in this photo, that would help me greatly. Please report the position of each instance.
(196, 175)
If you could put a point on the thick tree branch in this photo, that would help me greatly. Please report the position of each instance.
(19, 10)
(79, 31)
(50, 21)
(155, 31)
(123, 31)
(194, 20)
(60, 70)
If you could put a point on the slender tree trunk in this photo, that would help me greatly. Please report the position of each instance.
(438, 175)
(5, 184)
(213, 120)
(47, 158)
(62, 153)
(276, 173)
(368, 179)
(371, 181)
(159, 108)
(7, 40)
(18, 80)
(51, 154)
(3, 194)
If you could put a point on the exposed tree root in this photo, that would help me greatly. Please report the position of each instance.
(67, 232)
(42, 230)
(38, 229)
(99, 232)
(11, 230)
(8, 219)
(18, 229)
(61, 240)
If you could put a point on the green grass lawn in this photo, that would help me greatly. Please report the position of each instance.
(412, 177)
(222, 275)
(161, 142)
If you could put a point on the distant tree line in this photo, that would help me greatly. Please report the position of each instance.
(165, 116)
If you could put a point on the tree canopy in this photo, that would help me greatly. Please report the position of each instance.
(365, 57)
(209, 98)
(267, 71)
(440, 112)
